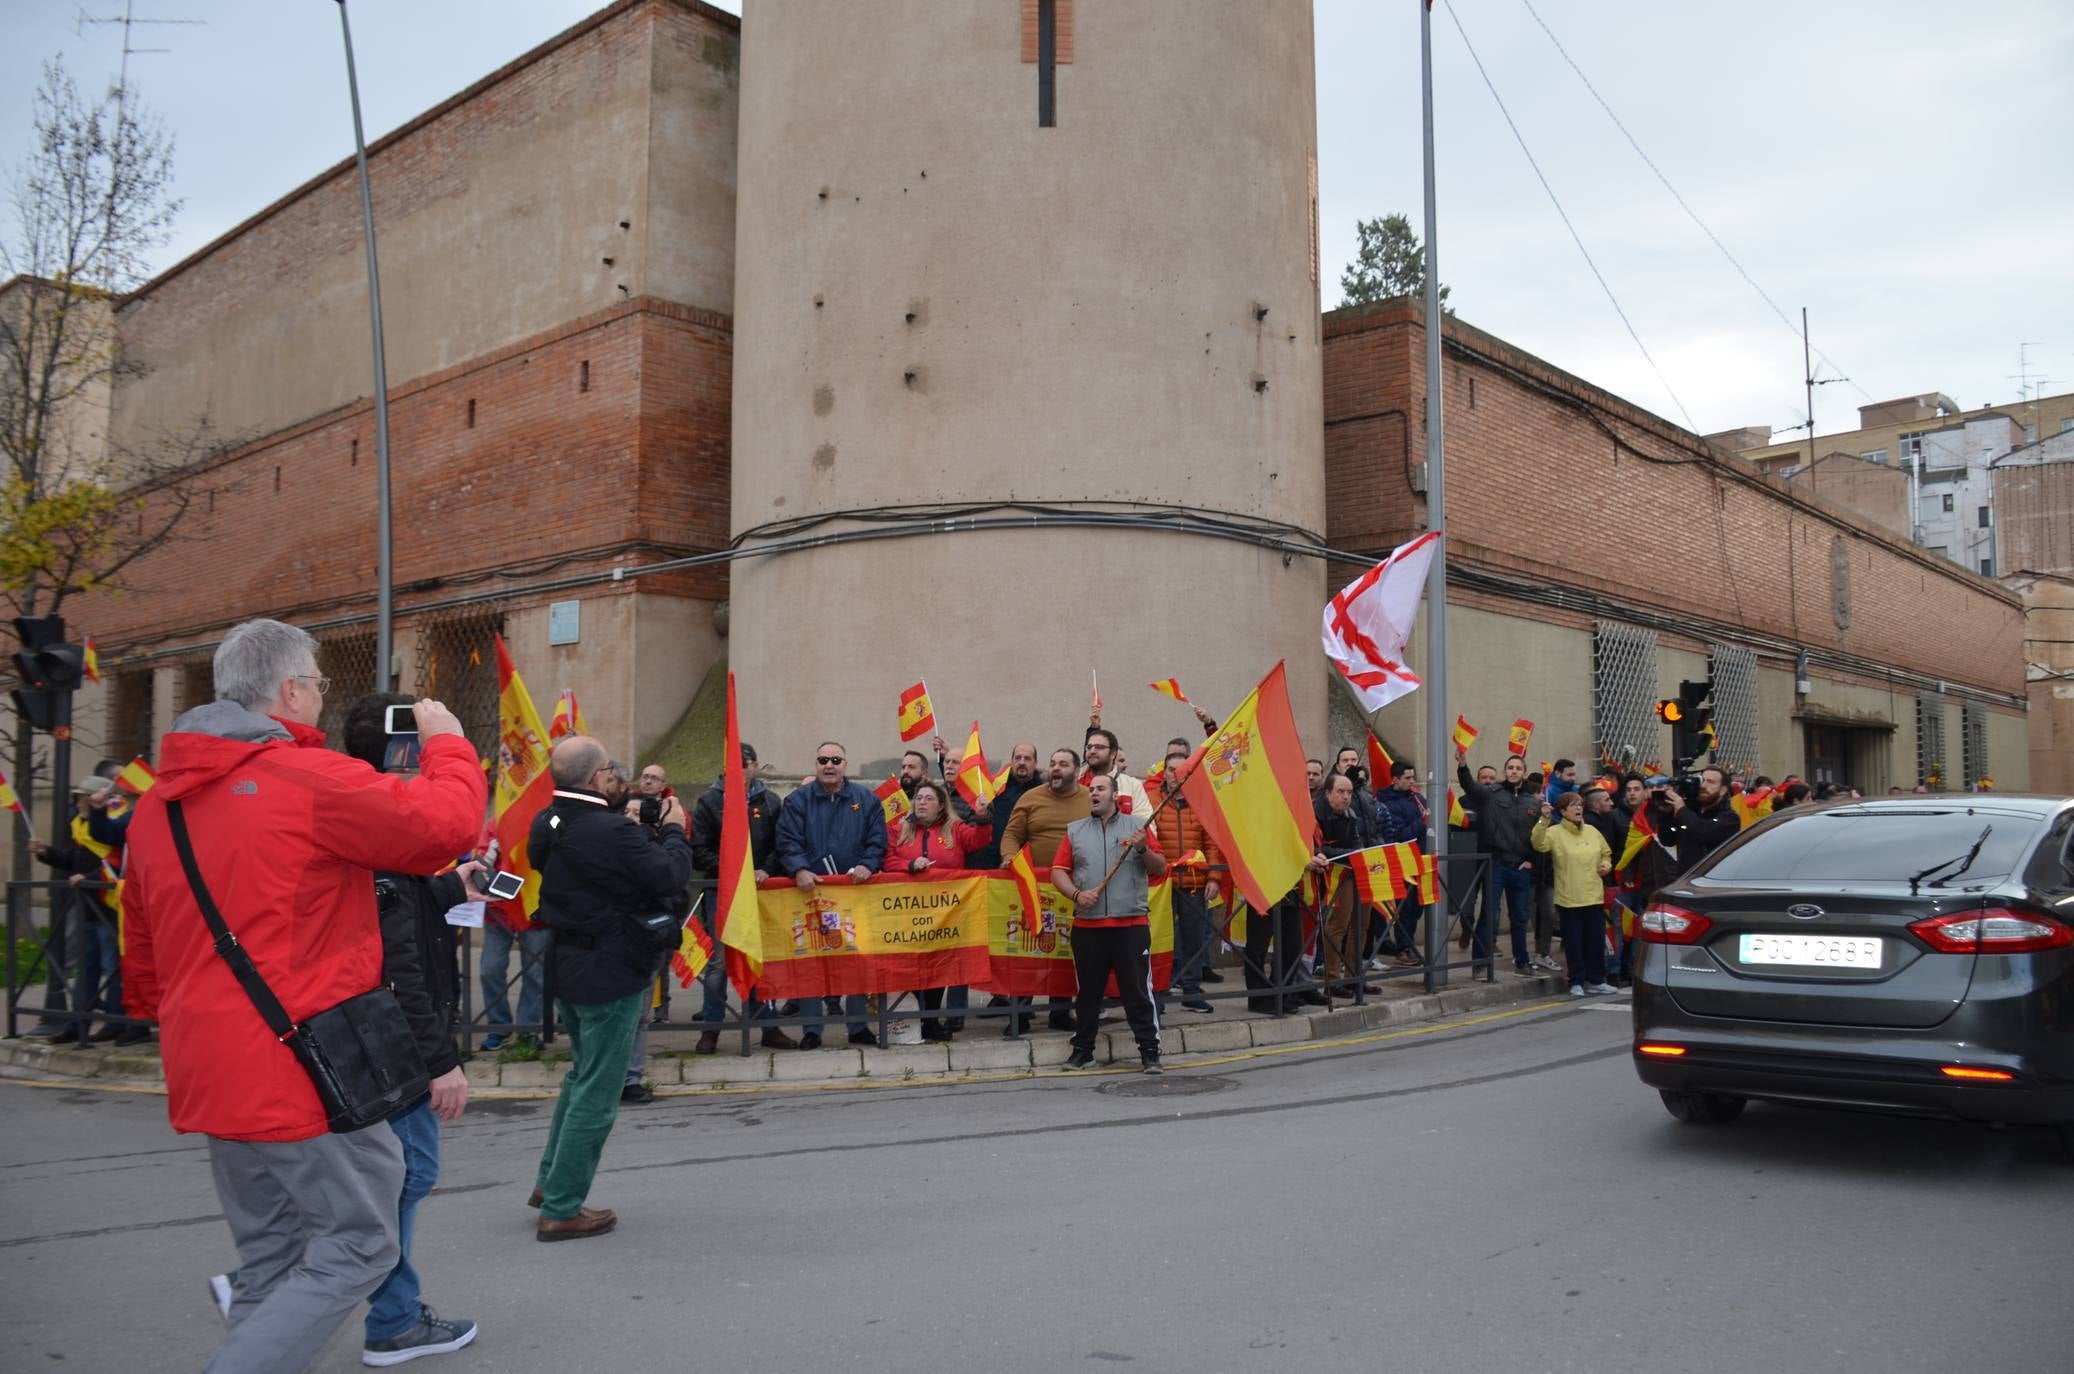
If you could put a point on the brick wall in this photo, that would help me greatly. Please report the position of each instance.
(602, 441)
(1554, 482)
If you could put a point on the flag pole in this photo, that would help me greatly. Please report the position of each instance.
(1436, 577)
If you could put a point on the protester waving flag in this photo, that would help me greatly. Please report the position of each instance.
(1246, 783)
(1169, 687)
(524, 785)
(917, 716)
(735, 915)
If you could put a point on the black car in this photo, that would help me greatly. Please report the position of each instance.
(1909, 955)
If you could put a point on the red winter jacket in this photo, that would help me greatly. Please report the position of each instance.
(940, 850)
(286, 834)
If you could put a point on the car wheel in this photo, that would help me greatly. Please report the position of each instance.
(1703, 1109)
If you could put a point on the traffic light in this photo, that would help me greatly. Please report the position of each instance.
(1688, 715)
(50, 670)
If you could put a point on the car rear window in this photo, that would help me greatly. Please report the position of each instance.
(1854, 844)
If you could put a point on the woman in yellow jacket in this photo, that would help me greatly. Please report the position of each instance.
(1582, 859)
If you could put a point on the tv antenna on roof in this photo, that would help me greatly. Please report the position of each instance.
(129, 20)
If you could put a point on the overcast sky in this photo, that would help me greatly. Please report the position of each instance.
(1897, 166)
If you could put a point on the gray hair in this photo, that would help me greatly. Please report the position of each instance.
(256, 657)
(575, 759)
(619, 770)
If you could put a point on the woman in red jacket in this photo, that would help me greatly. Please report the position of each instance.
(929, 839)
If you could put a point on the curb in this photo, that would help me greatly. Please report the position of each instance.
(988, 1058)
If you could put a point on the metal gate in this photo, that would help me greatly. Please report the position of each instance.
(1930, 739)
(457, 664)
(1624, 680)
(1973, 742)
(1733, 670)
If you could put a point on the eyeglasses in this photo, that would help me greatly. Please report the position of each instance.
(828, 758)
(323, 683)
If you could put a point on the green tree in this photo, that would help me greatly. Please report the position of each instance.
(1388, 261)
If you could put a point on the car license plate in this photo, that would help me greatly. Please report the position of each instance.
(1811, 951)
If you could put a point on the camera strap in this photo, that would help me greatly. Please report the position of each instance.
(241, 966)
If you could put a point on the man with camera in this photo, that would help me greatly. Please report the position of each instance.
(284, 837)
(610, 891)
(1698, 827)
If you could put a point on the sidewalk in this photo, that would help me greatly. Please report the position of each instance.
(979, 1051)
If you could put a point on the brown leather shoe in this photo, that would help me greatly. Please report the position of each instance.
(775, 1039)
(709, 1042)
(535, 1200)
(585, 1223)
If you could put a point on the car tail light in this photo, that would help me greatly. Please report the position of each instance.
(1664, 1051)
(1986, 1075)
(1994, 930)
(1664, 924)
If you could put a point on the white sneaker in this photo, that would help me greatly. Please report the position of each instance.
(1576, 989)
(219, 1293)
(1601, 989)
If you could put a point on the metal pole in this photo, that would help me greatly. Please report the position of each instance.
(384, 672)
(1807, 372)
(1436, 580)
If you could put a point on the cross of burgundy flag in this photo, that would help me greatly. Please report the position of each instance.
(1369, 620)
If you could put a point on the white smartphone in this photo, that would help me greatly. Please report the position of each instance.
(401, 720)
(504, 886)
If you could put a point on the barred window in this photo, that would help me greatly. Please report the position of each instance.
(457, 664)
(1930, 740)
(1973, 742)
(1734, 673)
(130, 730)
(348, 660)
(1624, 678)
(194, 684)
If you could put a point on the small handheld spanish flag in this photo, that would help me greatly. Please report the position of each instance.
(1169, 687)
(1465, 733)
(93, 662)
(694, 952)
(893, 801)
(1516, 742)
(8, 800)
(974, 782)
(917, 716)
(136, 777)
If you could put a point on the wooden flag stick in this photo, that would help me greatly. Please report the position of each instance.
(1165, 802)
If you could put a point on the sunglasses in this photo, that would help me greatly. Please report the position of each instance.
(828, 758)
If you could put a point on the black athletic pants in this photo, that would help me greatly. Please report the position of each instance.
(1125, 951)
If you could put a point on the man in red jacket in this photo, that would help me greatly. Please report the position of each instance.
(286, 835)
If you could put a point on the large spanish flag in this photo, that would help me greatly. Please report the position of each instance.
(735, 915)
(1641, 831)
(524, 785)
(1752, 807)
(1246, 782)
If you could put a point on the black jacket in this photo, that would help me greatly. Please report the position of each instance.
(989, 856)
(1613, 825)
(763, 828)
(599, 873)
(1339, 832)
(70, 858)
(418, 959)
(1696, 833)
(1505, 818)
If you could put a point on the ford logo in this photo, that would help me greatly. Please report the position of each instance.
(1803, 911)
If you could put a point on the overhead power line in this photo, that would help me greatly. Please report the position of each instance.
(1564, 215)
(1691, 213)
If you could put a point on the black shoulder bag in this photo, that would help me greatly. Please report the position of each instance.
(360, 1054)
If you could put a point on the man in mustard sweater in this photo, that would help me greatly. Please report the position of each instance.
(1039, 823)
(1581, 860)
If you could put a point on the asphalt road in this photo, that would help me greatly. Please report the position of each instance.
(1499, 1194)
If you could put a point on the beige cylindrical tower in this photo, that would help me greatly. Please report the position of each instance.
(948, 311)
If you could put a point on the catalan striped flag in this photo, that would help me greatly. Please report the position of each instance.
(1168, 687)
(93, 662)
(917, 716)
(136, 777)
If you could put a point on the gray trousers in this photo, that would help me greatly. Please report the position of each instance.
(315, 1226)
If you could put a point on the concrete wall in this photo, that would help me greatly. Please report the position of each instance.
(529, 200)
(2034, 511)
(1876, 494)
(940, 301)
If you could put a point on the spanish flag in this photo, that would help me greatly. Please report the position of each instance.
(1380, 764)
(694, 951)
(1374, 877)
(1752, 807)
(917, 716)
(735, 915)
(136, 777)
(1641, 832)
(93, 662)
(1246, 783)
(524, 785)
(1465, 733)
(1027, 893)
(894, 801)
(1168, 687)
(974, 783)
(8, 800)
(568, 718)
(1516, 741)
(1456, 816)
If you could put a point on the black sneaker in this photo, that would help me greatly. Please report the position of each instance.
(810, 1041)
(636, 1093)
(1201, 1004)
(1060, 1021)
(863, 1037)
(433, 1335)
(1080, 1059)
(1150, 1064)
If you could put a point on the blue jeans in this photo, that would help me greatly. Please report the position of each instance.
(1515, 887)
(851, 1006)
(95, 963)
(394, 1308)
(1191, 941)
(495, 975)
